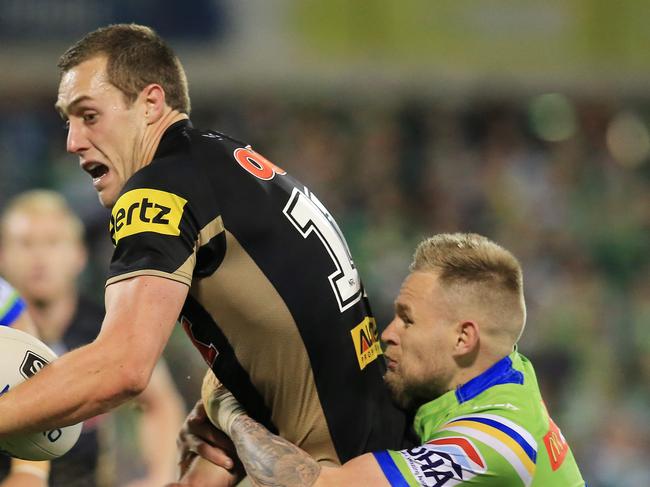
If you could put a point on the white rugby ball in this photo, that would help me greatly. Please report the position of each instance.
(21, 356)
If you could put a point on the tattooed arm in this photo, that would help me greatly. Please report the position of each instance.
(269, 459)
(274, 462)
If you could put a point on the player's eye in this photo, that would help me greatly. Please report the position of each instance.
(90, 117)
(406, 320)
(66, 125)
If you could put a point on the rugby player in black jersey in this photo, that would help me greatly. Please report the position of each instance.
(209, 232)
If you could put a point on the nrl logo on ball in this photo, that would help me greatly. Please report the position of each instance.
(32, 363)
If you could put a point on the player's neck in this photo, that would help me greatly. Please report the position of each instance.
(482, 363)
(52, 318)
(155, 131)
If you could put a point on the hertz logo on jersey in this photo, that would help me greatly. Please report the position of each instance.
(146, 210)
(366, 342)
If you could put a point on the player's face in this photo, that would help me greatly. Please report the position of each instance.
(40, 255)
(104, 130)
(419, 341)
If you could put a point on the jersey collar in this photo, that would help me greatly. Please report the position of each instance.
(169, 140)
(439, 410)
(500, 373)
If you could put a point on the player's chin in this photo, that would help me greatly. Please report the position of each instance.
(107, 197)
(395, 385)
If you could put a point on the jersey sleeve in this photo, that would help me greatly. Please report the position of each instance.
(154, 225)
(11, 304)
(464, 453)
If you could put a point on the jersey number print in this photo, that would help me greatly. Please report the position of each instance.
(308, 215)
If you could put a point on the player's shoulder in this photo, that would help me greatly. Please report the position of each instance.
(185, 158)
(211, 148)
(485, 448)
(213, 139)
(496, 439)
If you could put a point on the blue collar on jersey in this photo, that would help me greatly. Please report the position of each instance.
(500, 373)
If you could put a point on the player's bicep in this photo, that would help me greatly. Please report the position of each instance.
(360, 471)
(140, 316)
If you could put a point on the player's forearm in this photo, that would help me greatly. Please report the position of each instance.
(271, 460)
(80, 384)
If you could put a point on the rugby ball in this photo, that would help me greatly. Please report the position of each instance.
(22, 356)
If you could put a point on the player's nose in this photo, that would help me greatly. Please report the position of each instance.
(76, 142)
(390, 336)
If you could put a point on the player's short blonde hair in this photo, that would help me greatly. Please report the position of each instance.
(136, 57)
(481, 272)
(469, 257)
(42, 202)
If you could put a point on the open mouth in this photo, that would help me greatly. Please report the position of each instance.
(95, 169)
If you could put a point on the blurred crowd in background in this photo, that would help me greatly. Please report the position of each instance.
(562, 180)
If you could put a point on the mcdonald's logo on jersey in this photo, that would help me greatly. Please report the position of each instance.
(366, 342)
(146, 210)
(556, 445)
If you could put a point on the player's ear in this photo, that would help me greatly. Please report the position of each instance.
(467, 338)
(154, 100)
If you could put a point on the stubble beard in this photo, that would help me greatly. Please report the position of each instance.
(398, 390)
(410, 396)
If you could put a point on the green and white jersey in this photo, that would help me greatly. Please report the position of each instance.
(11, 305)
(492, 431)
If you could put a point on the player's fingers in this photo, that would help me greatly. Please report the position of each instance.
(203, 429)
(193, 443)
(215, 455)
(193, 446)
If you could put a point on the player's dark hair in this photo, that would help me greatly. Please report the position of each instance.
(136, 57)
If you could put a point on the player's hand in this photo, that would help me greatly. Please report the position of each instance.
(198, 436)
